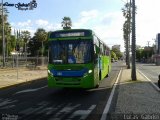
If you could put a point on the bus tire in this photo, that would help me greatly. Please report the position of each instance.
(100, 77)
(98, 80)
(108, 73)
(97, 86)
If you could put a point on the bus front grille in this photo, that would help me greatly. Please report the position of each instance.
(68, 81)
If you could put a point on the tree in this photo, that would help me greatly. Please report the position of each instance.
(66, 23)
(127, 30)
(41, 36)
(33, 46)
(113, 55)
(117, 52)
(11, 44)
(139, 54)
(19, 41)
(25, 36)
(142, 54)
(7, 29)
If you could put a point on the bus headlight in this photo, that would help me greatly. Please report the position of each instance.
(89, 71)
(50, 73)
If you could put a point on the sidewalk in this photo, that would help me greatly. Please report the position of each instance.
(9, 77)
(136, 99)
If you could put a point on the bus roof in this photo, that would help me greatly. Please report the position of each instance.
(71, 33)
(72, 30)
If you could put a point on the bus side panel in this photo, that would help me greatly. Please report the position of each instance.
(96, 74)
(105, 66)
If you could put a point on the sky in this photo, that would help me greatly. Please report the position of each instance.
(103, 16)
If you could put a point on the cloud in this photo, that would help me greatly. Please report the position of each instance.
(33, 25)
(106, 25)
(41, 22)
(89, 14)
(147, 21)
(24, 24)
(111, 17)
(86, 17)
(110, 28)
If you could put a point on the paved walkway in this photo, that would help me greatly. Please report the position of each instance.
(10, 77)
(136, 99)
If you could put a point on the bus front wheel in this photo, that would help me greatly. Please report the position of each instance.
(98, 80)
(99, 75)
(97, 86)
(107, 73)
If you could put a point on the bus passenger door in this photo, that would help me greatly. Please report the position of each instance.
(96, 63)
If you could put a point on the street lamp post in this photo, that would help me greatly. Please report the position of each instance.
(3, 37)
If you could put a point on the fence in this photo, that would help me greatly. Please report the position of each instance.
(24, 62)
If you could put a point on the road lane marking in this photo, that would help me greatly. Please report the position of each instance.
(154, 85)
(30, 90)
(7, 102)
(106, 109)
(82, 113)
(67, 109)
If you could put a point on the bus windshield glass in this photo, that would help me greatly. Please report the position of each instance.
(70, 51)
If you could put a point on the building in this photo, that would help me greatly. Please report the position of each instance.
(157, 55)
(158, 43)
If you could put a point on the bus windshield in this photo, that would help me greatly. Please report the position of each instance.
(70, 51)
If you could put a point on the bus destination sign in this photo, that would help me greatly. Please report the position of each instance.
(73, 34)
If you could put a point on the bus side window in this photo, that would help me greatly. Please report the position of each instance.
(96, 51)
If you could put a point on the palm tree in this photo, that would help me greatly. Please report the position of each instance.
(25, 35)
(41, 35)
(66, 23)
(7, 29)
(6, 24)
(127, 30)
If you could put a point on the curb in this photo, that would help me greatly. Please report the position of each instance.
(22, 83)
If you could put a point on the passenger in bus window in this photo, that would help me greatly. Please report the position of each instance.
(71, 58)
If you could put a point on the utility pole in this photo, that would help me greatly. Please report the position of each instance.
(133, 74)
(148, 49)
(148, 43)
(3, 37)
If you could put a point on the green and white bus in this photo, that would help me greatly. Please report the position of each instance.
(77, 59)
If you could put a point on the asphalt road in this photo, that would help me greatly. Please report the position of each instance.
(35, 101)
(151, 71)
